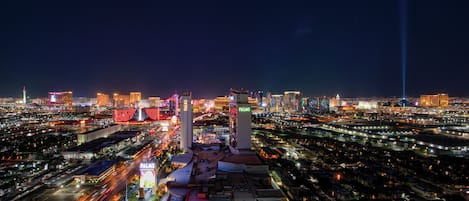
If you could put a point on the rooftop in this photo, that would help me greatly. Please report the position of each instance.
(244, 158)
(97, 168)
(93, 130)
(98, 144)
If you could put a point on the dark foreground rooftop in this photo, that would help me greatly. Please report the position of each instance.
(98, 144)
(97, 168)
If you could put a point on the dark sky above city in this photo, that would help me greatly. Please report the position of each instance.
(318, 47)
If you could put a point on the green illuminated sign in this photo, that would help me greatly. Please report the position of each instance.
(244, 109)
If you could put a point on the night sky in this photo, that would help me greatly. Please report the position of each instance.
(318, 47)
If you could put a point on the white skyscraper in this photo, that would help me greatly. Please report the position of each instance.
(337, 98)
(185, 116)
(24, 95)
(240, 120)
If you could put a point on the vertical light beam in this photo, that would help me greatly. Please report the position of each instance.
(403, 6)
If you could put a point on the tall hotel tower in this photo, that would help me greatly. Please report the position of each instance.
(24, 95)
(240, 120)
(186, 122)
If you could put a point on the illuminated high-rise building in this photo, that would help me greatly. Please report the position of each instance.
(436, 100)
(260, 98)
(444, 100)
(155, 101)
(291, 101)
(304, 103)
(61, 98)
(323, 104)
(24, 95)
(253, 102)
(135, 97)
(186, 122)
(333, 102)
(195, 106)
(268, 102)
(173, 103)
(222, 103)
(102, 99)
(276, 103)
(200, 106)
(240, 120)
(339, 103)
(120, 100)
(208, 105)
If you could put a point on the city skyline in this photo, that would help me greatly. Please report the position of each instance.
(232, 100)
(319, 48)
(145, 96)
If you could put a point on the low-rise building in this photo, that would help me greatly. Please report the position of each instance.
(96, 172)
(97, 133)
(112, 144)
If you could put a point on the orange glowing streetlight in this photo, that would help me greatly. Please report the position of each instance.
(338, 176)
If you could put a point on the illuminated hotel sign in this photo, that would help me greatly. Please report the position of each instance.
(244, 109)
(147, 175)
(147, 165)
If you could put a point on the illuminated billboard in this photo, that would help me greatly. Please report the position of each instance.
(53, 99)
(164, 126)
(244, 109)
(60, 98)
(147, 175)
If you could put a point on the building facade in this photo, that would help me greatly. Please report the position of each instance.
(102, 99)
(222, 103)
(135, 97)
(436, 100)
(276, 104)
(240, 120)
(61, 98)
(155, 101)
(186, 122)
(120, 100)
(291, 101)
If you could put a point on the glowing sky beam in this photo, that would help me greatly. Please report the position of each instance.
(403, 8)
